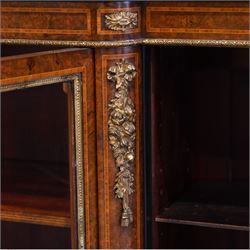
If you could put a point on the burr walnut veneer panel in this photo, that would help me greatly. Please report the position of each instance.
(197, 20)
(88, 21)
(76, 21)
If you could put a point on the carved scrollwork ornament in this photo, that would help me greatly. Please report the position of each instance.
(122, 132)
(121, 21)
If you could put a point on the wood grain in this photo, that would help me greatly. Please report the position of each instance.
(33, 216)
(78, 21)
(36, 20)
(206, 215)
(110, 229)
(199, 20)
(49, 20)
(66, 21)
(57, 63)
(199, 135)
(36, 193)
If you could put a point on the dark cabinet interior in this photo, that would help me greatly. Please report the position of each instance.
(34, 236)
(196, 154)
(198, 147)
(35, 172)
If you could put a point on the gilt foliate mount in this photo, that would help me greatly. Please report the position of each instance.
(121, 21)
(122, 133)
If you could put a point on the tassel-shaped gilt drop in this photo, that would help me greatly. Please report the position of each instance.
(121, 129)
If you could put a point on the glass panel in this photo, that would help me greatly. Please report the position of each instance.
(35, 168)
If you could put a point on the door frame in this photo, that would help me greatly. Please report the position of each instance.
(75, 80)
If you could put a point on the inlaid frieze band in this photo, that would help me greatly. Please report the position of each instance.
(122, 133)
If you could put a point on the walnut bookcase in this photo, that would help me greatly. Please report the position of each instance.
(125, 124)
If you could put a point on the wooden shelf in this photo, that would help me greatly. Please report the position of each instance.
(206, 215)
(210, 204)
(35, 192)
(32, 209)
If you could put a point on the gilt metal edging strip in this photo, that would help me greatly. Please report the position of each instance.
(78, 137)
(122, 133)
(140, 41)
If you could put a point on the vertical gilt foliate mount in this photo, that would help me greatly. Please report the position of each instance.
(121, 21)
(121, 131)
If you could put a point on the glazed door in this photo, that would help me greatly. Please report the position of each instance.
(48, 150)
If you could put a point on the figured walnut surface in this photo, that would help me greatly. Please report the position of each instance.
(111, 233)
(197, 20)
(32, 67)
(66, 21)
(83, 24)
(97, 22)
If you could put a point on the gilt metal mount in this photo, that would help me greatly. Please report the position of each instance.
(121, 21)
(122, 132)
